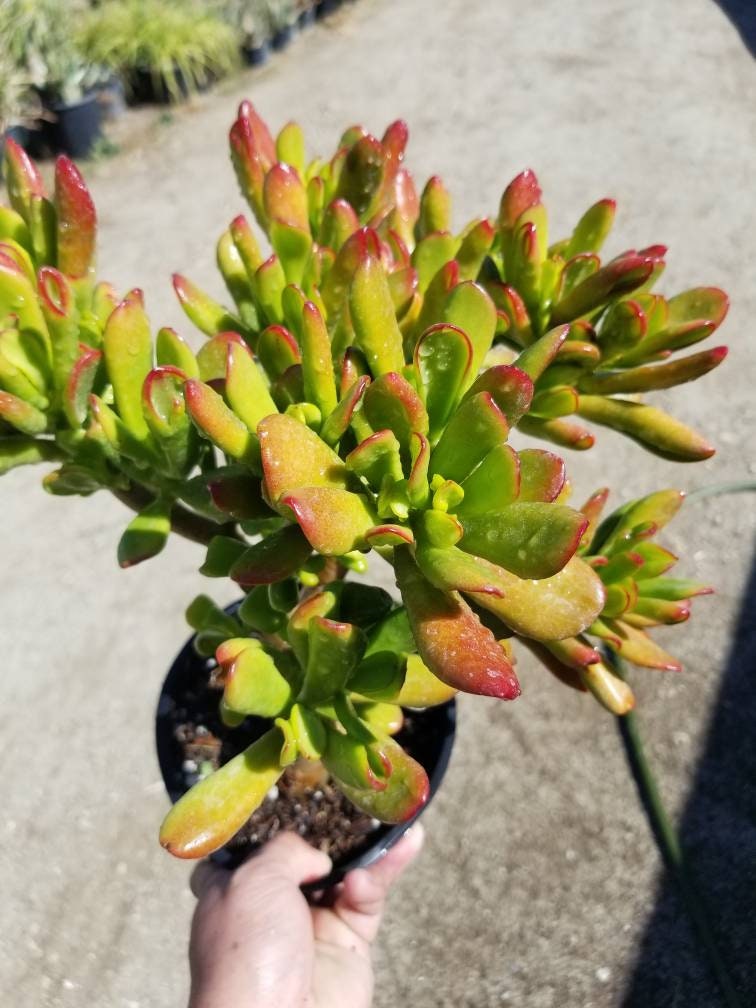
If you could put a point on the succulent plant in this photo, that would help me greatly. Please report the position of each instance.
(358, 398)
(619, 336)
(77, 382)
(633, 568)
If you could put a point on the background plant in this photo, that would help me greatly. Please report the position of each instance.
(38, 38)
(359, 397)
(174, 41)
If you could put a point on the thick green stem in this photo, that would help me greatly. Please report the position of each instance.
(668, 842)
(186, 523)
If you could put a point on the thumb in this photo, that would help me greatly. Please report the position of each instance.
(288, 857)
(363, 897)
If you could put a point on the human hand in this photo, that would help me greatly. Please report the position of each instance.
(257, 943)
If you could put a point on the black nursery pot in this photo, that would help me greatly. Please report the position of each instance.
(431, 745)
(282, 37)
(146, 86)
(256, 55)
(77, 127)
(326, 7)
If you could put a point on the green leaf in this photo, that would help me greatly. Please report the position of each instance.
(209, 316)
(246, 389)
(477, 427)
(27, 419)
(203, 614)
(660, 376)
(542, 475)
(469, 308)
(237, 493)
(637, 647)
(293, 456)
(77, 220)
(253, 685)
(333, 520)
(372, 313)
(146, 535)
(451, 640)
(671, 589)
(293, 248)
(309, 732)
(127, 348)
(561, 432)
(651, 427)
(406, 790)
(421, 688)
(257, 612)
(167, 419)
(209, 814)
(475, 246)
(435, 208)
(530, 539)
(222, 554)
(16, 450)
(22, 176)
(390, 402)
(430, 254)
(536, 358)
(334, 649)
(551, 608)
(285, 197)
(493, 484)
(317, 367)
(620, 276)
(701, 303)
(658, 508)
(510, 388)
(237, 280)
(362, 176)
(337, 423)
(277, 556)
(592, 228)
(277, 350)
(379, 676)
(451, 569)
(363, 604)
(443, 357)
(214, 419)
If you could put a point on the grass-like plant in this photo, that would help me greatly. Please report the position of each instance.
(359, 397)
(182, 45)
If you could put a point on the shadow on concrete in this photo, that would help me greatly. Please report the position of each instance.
(742, 13)
(718, 832)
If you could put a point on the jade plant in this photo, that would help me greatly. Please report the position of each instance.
(358, 398)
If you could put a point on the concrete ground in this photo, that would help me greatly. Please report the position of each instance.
(540, 885)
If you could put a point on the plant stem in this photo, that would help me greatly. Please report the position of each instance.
(668, 843)
(186, 523)
(715, 489)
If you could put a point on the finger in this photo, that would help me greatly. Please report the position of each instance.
(205, 876)
(289, 857)
(363, 898)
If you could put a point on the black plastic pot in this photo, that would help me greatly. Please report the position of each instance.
(431, 746)
(281, 37)
(76, 128)
(147, 86)
(256, 55)
(112, 98)
(326, 7)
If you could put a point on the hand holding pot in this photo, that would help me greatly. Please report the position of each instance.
(257, 942)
